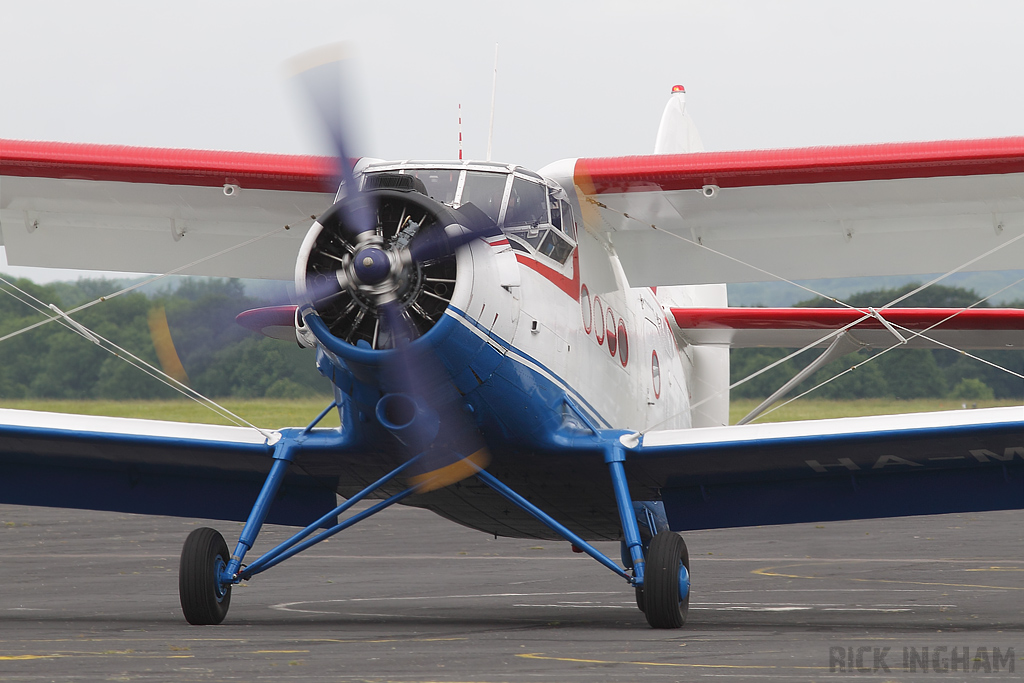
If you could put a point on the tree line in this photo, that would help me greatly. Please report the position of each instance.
(223, 359)
(219, 356)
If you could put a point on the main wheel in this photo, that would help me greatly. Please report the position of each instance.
(204, 600)
(662, 605)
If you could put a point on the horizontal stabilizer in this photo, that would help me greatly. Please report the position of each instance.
(975, 328)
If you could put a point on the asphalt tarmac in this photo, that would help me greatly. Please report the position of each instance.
(408, 596)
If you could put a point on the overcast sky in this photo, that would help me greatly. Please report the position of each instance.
(575, 78)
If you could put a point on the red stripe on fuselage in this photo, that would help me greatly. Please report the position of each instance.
(570, 286)
(118, 163)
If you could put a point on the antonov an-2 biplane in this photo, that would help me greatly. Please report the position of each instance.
(531, 354)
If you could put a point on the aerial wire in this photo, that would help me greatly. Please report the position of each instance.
(494, 89)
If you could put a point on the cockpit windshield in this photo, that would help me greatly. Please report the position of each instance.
(441, 184)
(536, 216)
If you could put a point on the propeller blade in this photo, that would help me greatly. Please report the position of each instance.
(434, 244)
(326, 77)
(458, 451)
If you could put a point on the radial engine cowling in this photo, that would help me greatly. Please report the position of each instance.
(408, 257)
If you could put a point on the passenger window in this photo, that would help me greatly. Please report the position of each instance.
(526, 205)
(484, 191)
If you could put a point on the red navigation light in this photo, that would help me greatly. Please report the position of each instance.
(678, 88)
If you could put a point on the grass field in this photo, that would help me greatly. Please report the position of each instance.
(275, 413)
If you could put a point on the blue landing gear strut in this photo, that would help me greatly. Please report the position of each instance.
(207, 572)
(661, 580)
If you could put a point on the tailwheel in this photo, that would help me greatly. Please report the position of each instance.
(660, 596)
(204, 599)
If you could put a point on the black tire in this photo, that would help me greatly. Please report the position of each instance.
(662, 605)
(640, 599)
(204, 601)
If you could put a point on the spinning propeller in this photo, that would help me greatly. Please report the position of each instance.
(379, 273)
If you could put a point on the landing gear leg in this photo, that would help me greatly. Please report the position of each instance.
(662, 579)
(665, 599)
(207, 571)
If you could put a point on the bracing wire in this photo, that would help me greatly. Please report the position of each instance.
(137, 285)
(130, 358)
(814, 344)
(912, 335)
(64, 318)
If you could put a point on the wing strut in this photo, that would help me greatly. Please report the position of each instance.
(840, 346)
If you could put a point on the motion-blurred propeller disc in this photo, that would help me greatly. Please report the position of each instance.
(381, 273)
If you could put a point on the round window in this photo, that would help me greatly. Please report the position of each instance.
(598, 321)
(611, 333)
(623, 343)
(656, 374)
(585, 309)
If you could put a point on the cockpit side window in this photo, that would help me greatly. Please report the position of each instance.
(485, 191)
(568, 222)
(555, 209)
(441, 184)
(526, 205)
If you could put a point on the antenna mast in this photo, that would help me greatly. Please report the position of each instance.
(494, 86)
(460, 131)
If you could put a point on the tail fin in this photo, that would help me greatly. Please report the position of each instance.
(707, 365)
(708, 373)
(677, 133)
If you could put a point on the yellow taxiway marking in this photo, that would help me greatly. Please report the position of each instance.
(278, 652)
(771, 571)
(386, 640)
(58, 655)
(541, 655)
